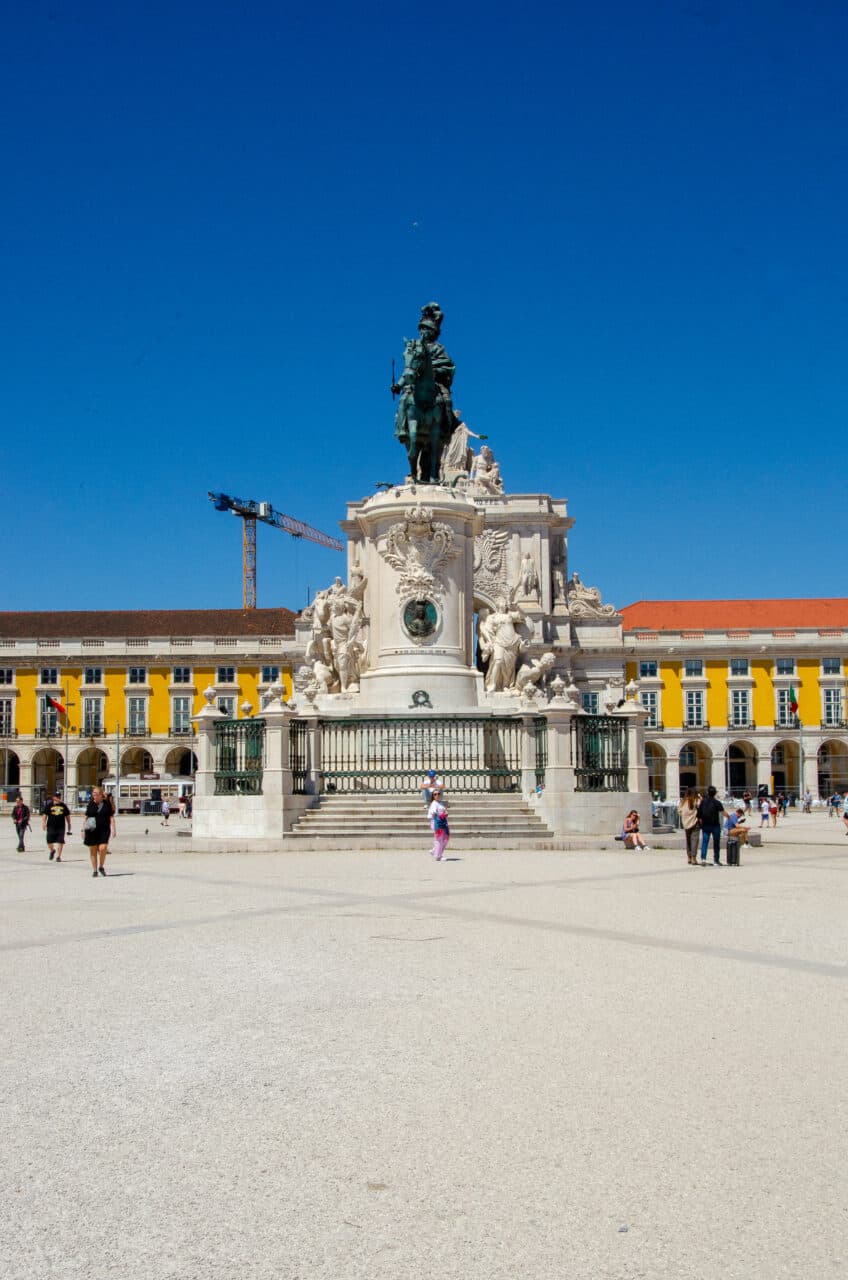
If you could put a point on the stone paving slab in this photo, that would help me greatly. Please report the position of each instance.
(592, 1064)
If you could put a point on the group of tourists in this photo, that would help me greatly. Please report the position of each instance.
(98, 826)
(702, 819)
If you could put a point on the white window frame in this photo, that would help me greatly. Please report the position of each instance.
(650, 699)
(740, 708)
(92, 715)
(832, 707)
(181, 716)
(228, 706)
(694, 697)
(7, 717)
(137, 724)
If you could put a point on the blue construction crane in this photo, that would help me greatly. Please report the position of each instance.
(250, 512)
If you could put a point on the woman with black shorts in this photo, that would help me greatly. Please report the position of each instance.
(99, 825)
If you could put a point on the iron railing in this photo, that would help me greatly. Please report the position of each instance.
(600, 753)
(239, 751)
(540, 733)
(299, 755)
(473, 753)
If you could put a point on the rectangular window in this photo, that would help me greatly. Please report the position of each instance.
(650, 700)
(7, 675)
(833, 706)
(226, 675)
(270, 675)
(740, 707)
(693, 667)
(138, 675)
(181, 721)
(738, 666)
(49, 675)
(785, 717)
(48, 717)
(694, 709)
(831, 666)
(182, 675)
(137, 708)
(784, 667)
(647, 670)
(92, 675)
(228, 706)
(92, 715)
(6, 716)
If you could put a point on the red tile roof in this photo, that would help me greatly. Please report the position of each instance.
(123, 623)
(735, 615)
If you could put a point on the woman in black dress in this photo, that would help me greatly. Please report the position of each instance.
(99, 825)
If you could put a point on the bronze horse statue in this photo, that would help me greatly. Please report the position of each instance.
(425, 418)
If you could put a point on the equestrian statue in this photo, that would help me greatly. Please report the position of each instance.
(425, 419)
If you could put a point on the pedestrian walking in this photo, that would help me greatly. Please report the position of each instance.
(783, 803)
(20, 817)
(808, 801)
(55, 819)
(709, 815)
(438, 815)
(189, 804)
(182, 806)
(845, 812)
(99, 826)
(764, 812)
(688, 810)
(747, 800)
(773, 810)
(166, 813)
(631, 835)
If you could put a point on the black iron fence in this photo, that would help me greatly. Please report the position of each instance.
(473, 753)
(299, 755)
(239, 750)
(599, 746)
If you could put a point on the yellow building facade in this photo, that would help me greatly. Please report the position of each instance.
(742, 694)
(88, 696)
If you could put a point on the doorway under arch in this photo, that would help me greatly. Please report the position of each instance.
(695, 761)
(740, 768)
(785, 768)
(833, 767)
(92, 768)
(656, 760)
(136, 760)
(10, 768)
(181, 763)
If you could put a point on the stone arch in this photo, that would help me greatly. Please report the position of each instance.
(10, 768)
(785, 765)
(695, 762)
(656, 761)
(832, 761)
(740, 767)
(48, 772)
(136, 760)
(92, 766)
(181, 762)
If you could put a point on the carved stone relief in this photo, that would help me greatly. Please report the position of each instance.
(419, 547)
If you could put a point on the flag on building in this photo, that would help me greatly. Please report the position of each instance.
(793, 701)
(57, 706)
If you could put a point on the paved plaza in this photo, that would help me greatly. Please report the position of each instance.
(330, 1066)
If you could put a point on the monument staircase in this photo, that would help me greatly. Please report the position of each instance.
(478, 820)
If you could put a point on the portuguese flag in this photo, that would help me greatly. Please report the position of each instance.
(793, 701)
(57, 706)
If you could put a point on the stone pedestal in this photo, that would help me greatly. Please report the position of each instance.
(415, 548)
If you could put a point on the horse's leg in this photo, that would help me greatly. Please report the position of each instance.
(413, 447)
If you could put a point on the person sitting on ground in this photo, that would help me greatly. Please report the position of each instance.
(630, 833)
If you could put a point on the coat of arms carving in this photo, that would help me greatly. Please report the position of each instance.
(419, 547)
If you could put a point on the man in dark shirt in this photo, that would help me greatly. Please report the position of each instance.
(55, 817)
(709, 815)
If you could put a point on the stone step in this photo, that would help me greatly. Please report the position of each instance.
(389, 821)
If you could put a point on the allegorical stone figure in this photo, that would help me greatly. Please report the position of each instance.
(500, 645)
(425, 418)
(528, 577)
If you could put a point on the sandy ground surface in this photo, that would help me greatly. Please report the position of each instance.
(346, 1065)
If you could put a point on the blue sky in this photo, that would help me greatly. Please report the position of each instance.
(220, 222)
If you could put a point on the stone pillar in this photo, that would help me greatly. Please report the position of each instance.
(637, 771)
(314, 774)
(528, 754)
(203, 818)
(276, 771)
(555, 804)
(810, 771)
(718, 771)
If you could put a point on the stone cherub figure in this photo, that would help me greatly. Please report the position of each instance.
(531, 675)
